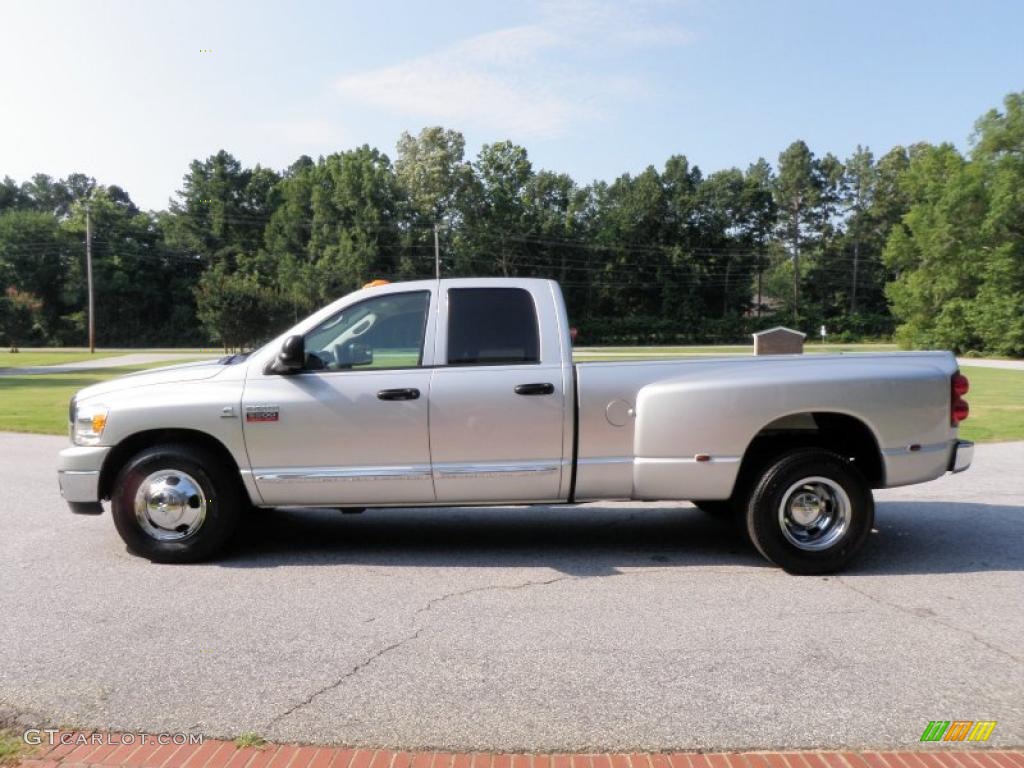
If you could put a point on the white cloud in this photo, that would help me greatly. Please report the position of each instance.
(624, 24)
(484, 80)
(534, 80)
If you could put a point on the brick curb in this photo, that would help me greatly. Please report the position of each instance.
(225, 754)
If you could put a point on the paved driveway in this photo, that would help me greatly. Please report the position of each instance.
(611, 626)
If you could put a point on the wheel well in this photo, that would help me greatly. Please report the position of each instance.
(131, 445)
(846, 435)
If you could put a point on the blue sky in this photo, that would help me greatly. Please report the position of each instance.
(122, 91)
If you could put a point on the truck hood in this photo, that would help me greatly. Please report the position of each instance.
(169, 374)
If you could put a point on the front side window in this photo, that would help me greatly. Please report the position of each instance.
(491, 326)
(383, 332)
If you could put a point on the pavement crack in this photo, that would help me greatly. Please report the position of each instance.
(407, 639)
(491, 588)
(351, 673)
(931, 617)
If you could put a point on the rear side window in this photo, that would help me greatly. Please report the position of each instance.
(492, 326)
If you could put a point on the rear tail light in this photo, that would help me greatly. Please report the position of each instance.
(958, 408)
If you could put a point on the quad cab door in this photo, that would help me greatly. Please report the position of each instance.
(350, 428)
(500, 419)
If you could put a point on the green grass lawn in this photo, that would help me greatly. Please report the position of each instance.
(997, 405)
(29, 357)
(33, 357)
(39, 402)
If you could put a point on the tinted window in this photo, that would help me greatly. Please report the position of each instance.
(382, 332)
(492, 325)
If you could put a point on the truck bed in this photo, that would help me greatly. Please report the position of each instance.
(662, 429)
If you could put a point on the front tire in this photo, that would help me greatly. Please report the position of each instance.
(811, 512)
(175, 504)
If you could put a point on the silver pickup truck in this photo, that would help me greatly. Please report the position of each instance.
(464, 392)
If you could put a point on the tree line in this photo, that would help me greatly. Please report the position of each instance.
(923, 242)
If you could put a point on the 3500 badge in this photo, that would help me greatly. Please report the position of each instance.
(261, 413)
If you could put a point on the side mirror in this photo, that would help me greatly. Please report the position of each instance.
(292, 356)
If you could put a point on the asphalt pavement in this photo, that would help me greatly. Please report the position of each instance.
(602, 626)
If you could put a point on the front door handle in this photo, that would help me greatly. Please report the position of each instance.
(399, 394)
(535, 389)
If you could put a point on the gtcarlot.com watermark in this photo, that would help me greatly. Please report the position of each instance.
(53, 737)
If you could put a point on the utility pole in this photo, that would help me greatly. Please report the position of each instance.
(437, 255)
(853, 287)
(759, 284)
(725, 292)
(88, 279)
(796, 273)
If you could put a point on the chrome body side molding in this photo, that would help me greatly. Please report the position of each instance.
(341, 475)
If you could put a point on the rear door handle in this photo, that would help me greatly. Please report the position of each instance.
(399, 394)
(535, 389)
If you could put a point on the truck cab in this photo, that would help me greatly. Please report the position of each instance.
(434, 392)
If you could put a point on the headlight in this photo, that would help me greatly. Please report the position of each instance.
(88, 423)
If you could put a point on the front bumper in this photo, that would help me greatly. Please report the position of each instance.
(963, 454)
(78, 473)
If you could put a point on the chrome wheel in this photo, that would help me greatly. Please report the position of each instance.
(170, 505)
(814, 513)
